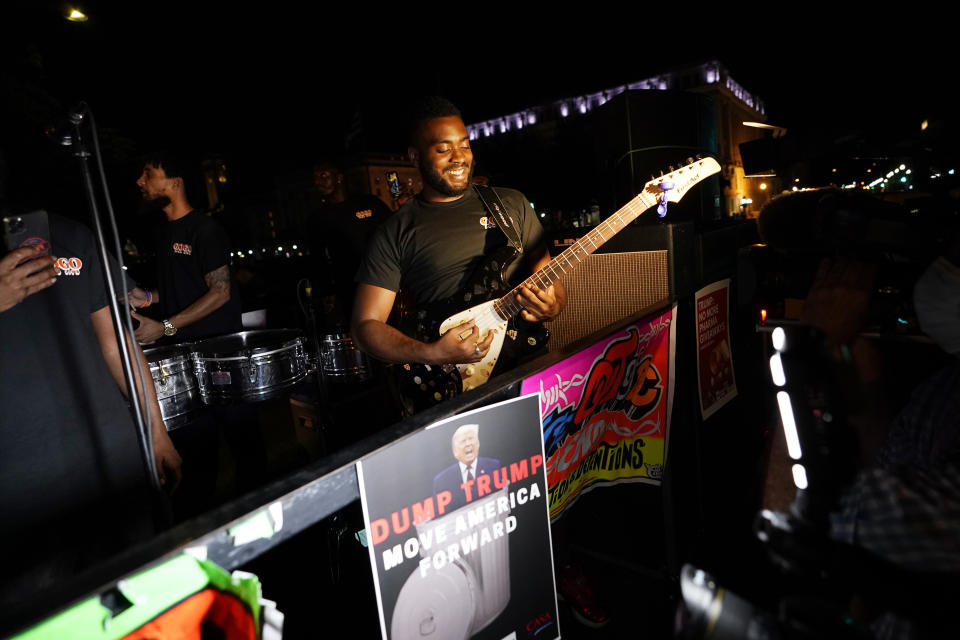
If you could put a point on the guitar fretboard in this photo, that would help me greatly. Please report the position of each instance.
(507, 306)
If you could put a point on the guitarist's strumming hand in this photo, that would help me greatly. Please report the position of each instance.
(461, 344)
(539, 304)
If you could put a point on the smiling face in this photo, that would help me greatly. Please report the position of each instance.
(444, 158)
(466, 446)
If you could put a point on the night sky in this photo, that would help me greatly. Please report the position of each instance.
(275, 86)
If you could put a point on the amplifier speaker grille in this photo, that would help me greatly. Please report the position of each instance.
(607, 288)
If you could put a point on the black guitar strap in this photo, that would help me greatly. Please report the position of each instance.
(493, 205)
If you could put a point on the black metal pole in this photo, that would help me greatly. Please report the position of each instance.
(143, 429)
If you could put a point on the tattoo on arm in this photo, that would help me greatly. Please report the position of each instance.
(219, 279)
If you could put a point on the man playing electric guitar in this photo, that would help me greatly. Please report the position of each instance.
(434, 243)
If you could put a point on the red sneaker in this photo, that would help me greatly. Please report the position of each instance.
(575, 589)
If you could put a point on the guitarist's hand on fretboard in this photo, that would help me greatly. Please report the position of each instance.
(461, 345)
(540, 305)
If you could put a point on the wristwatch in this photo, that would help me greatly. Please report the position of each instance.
(168, 328)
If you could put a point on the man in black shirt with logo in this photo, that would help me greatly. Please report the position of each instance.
(431, 244)
(73, 488)
(339, 231)
(197, 300)
(193, 275)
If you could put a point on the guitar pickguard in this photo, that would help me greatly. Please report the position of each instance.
(476, 373)
(423, 386)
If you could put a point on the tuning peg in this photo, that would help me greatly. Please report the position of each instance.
(699, 156)
(689, 160)
(671, 169)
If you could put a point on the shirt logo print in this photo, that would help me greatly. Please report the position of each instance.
(487, 222)
(68, 266)
(366, 213)
(182, 247)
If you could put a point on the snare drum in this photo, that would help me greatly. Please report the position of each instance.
(341, 360)
(175, 383)
(249, 366)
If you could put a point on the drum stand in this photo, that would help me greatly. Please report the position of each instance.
(324, 418)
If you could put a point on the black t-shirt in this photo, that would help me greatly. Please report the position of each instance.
(339, 234)
(69, 445)
(187, 250)
(431, 248)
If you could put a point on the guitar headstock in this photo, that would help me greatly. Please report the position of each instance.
(676, 183)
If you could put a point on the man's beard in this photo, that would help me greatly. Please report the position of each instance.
(435, 180)
(150, 205)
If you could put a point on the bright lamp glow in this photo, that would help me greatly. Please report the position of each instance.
(776, 370)
(76, 15)
(789, 425)
(799, 476)
(779, 338)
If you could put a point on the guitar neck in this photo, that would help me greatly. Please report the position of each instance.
(572, 256)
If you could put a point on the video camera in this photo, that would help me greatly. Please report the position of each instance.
(821, 577)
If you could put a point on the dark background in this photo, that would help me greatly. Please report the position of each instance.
(272, 87)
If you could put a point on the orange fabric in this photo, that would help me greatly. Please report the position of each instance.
(183, 621)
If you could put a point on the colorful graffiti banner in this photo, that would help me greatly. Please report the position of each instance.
(606, 410)
(714, 356)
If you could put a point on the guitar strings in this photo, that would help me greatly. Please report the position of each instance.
(506, 307)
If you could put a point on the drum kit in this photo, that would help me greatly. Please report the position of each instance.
(248, 366)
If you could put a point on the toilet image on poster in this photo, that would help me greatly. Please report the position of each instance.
(458, 528)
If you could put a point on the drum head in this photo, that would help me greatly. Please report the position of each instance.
(439, 605)
(247, 343)
(168, 352)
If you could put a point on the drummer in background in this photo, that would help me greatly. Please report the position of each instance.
(194, 292)
(196, 300)
(338, 232)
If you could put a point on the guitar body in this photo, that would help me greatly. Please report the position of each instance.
(423, 385)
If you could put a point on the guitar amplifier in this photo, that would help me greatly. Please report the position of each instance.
(607, 288)
(639, 267)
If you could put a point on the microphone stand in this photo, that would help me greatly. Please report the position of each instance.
(77, 117)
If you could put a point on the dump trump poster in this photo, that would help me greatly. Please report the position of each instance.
(458, 528)
(606, 410)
